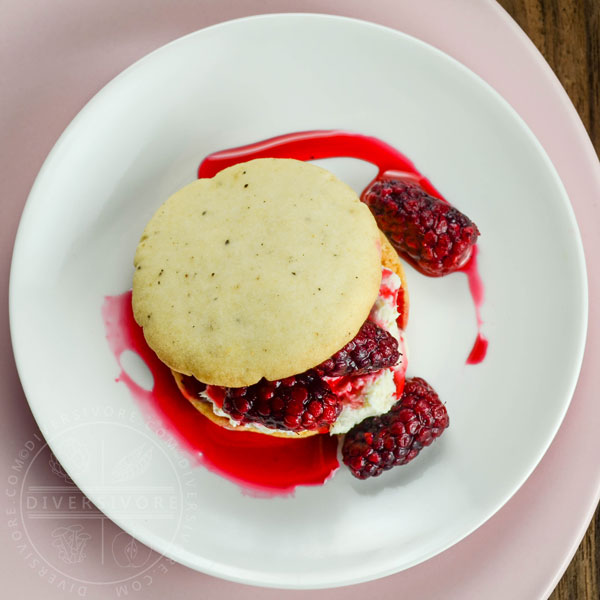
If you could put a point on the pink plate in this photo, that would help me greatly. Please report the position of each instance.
(53, 60)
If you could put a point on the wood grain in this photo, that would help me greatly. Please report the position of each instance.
(567, 33)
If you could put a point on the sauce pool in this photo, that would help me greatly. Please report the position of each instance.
(260, 464)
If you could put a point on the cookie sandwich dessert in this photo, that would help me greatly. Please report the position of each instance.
(272, 296)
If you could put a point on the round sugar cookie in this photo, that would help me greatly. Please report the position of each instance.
(265, 270)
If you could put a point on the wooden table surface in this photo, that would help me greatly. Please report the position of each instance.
(567, 33)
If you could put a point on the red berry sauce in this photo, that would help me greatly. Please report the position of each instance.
(313, 145)
(260, 464)
(480, 346)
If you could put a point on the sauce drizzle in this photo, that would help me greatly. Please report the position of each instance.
(261, 465)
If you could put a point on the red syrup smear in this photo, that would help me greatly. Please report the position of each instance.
(470, 269)
(260, 464)
(319, 144)
(314, 145)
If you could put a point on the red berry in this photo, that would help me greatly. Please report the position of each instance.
(429, 233)
(372, 349)
(298, 403)
(380, 443)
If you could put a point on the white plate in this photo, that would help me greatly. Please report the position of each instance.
(143, 136)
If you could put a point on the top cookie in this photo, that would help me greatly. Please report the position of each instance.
(265, 270)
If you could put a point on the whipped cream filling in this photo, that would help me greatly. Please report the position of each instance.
(363, 395)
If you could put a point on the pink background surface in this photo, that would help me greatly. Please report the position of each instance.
(55, 56)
